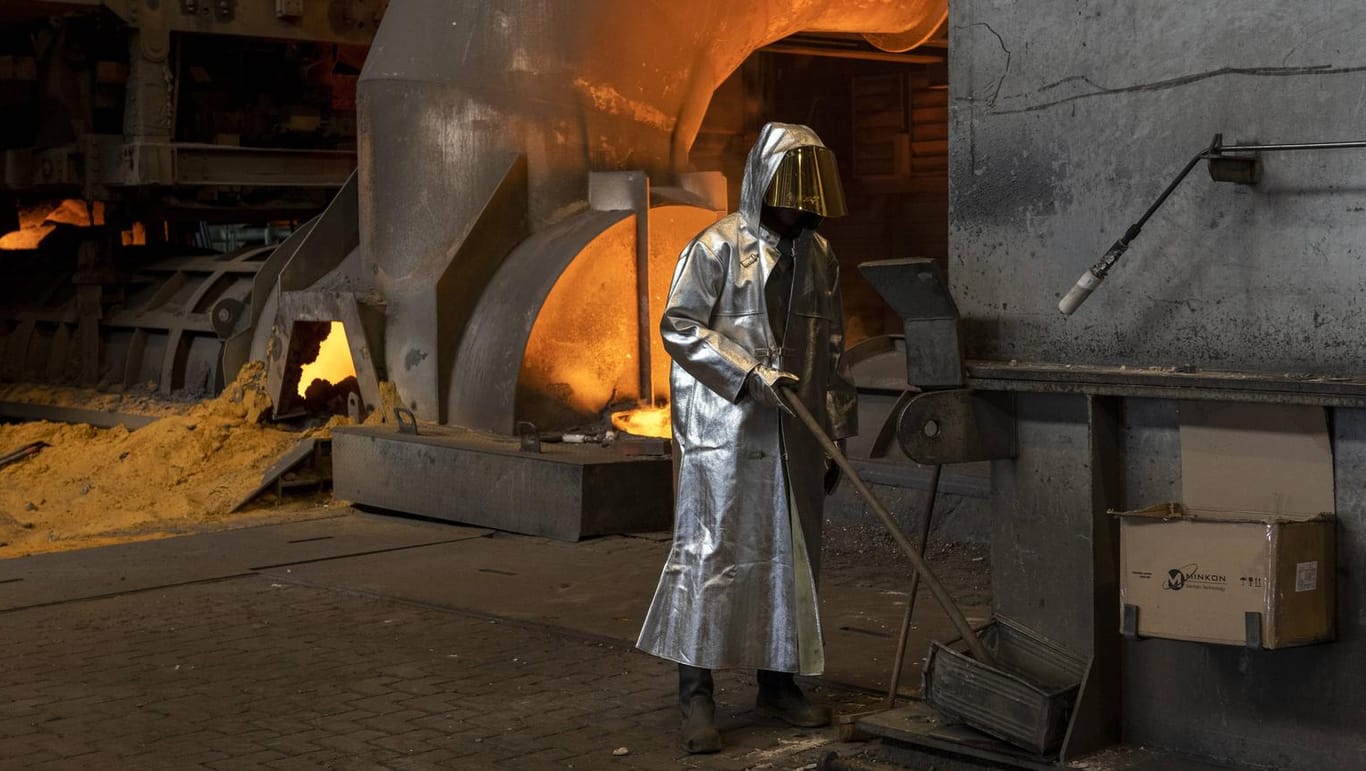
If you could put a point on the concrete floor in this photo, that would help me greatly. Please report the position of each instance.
(364, 641)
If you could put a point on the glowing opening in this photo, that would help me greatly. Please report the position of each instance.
(36, 222)
(580, 364)
(646, 421)
(333, 364)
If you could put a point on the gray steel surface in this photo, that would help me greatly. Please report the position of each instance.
(240, 347)
(1168, 383)
(1041, 560)
(1058, 144)
(918, 291)
(566, 492)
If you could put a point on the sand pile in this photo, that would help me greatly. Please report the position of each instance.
(98, 485)
(139, 400)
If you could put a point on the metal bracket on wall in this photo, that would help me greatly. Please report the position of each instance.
(918, 290)
(1252, 622)
(958, 426)
(528, 435)
(407, 422)
(1128, 626)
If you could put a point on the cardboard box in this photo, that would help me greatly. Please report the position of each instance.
(1246, 558)
(1232, 578)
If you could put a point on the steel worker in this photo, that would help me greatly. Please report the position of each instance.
(754, 307)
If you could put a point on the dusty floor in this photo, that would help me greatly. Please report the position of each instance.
(964, 569)
(181, 474)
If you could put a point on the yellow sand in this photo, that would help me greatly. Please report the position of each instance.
(95, 486)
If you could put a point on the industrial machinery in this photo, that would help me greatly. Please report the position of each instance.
(503, 252)
(499, 256)
(141, 140)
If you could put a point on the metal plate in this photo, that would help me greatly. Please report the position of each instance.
(918, 291)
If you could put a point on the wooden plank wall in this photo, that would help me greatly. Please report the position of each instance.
(897, 186)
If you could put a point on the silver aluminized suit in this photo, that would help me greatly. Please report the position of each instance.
(738, 589)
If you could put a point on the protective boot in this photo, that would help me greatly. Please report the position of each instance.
(780, 697)
(699, 711)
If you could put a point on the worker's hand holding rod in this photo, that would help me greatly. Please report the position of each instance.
(955, 615)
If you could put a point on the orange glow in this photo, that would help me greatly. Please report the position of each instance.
(334, 362)
(135, 237)
(646, 421)
(35, 223)
(581, 354)
(73, 212)
(581, 358)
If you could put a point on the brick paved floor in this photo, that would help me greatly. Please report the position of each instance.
(253, 673)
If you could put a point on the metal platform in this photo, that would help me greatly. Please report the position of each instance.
(566, 491)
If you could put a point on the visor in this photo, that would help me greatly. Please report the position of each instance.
(808, 179)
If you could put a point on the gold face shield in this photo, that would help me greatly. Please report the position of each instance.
(808, 179)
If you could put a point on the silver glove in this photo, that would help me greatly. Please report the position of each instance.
(763, 384)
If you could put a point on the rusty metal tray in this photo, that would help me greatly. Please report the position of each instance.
(1025, 699)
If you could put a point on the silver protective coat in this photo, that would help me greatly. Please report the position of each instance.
(738, 590)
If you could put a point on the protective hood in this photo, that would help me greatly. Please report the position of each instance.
(775, 140)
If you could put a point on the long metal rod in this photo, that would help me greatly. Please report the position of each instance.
(941, 594)
(1161, 199)
(1292, 146)
(643, 352)
(904, 637)
(1097, 273)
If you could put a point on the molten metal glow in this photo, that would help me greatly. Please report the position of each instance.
(137, 236)
(334, 362)
(35, 223)
(582, 350)
(646, 421)
(73, 212)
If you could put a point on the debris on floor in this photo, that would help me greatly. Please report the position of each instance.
(92, 486)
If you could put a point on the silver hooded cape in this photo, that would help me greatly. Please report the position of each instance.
(738, 590)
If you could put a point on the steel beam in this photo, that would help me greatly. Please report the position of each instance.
(1166, 383)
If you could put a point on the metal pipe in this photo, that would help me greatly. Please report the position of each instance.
(643, 353)
(1292, 146)
(922, 568)
(904, 636)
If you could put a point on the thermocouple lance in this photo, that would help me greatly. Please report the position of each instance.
(1244, 169)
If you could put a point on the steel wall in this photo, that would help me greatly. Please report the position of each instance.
(1067, 118)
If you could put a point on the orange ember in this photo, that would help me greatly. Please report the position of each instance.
(35, 223)
(333, 363)
(137, 236)
(646, 421)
